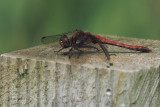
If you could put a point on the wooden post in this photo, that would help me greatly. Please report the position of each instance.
(38, 77)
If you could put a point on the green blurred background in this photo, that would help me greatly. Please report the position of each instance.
(24, 22)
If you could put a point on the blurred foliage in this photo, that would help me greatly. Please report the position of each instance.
(24, 22)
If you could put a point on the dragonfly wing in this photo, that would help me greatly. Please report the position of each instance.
(55, 38)
(50, 39)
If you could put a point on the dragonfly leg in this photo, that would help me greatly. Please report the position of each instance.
(68, 52)
(59, 50)
(105, 51)
(80, 52)
(89, 46)
(103, 48)
(76, 48)
(107, 55)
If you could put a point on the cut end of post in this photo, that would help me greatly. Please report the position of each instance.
(122, 58)
(43, 77)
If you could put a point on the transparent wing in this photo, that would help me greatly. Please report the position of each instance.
(55, 38)
(50, 39)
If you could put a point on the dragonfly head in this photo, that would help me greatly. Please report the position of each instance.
(64, 41)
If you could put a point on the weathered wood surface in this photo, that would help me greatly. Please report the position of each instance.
(38, 77)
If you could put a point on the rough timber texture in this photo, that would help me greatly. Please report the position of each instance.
(38, 77)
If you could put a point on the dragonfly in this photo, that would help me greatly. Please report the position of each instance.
(82, 39)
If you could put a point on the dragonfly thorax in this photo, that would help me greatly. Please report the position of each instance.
(65, 41)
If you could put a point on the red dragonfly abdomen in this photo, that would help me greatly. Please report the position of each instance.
(136, 48)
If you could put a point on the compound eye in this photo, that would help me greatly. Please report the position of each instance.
(64, 41)
(61, 43)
